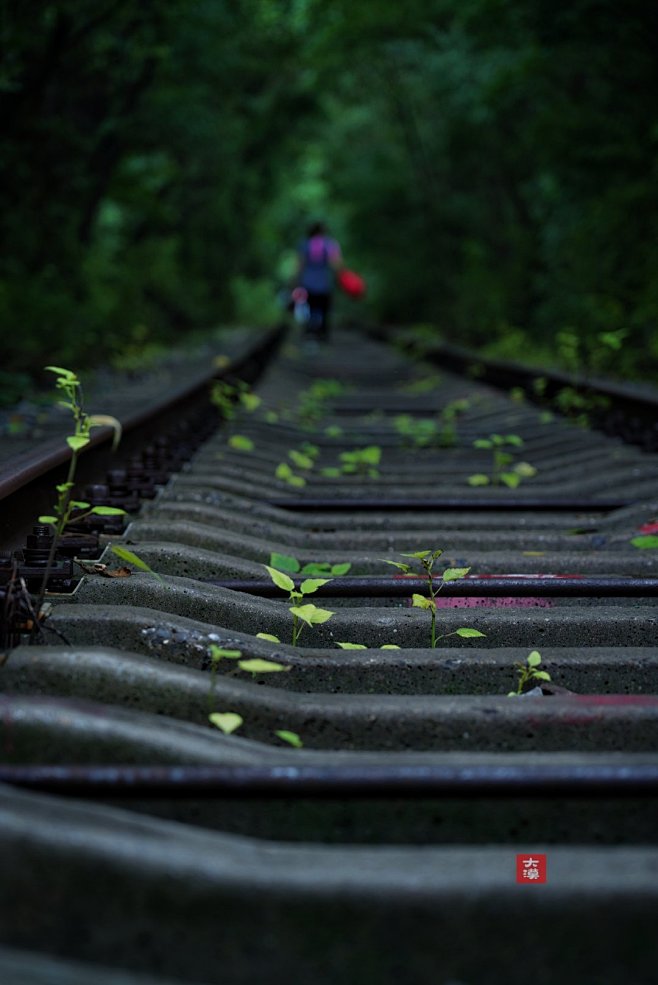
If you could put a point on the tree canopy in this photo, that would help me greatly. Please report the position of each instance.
(489, 165)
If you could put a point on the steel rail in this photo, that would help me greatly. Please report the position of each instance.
(23, 469)
(571, 586)
(351, 783)
(640, 410)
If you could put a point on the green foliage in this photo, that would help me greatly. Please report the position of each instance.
(529, 672)
(66, 507)
(426, 561)
(131, 558)
(302, 614)
(226, 721)
(188, 144)
(503, 467)
(359, 461)
(290, 737)
(284, 562)
(645, 542)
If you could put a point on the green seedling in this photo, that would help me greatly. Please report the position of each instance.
(240, 442)
(64, 509)
(284, 473)
(216, 654)
(529, 672)
(426, 560)
(302, 615)
(227, 397)
(503, 468)
(131, 558)
(290, 737)
(645, 542)
(226, 721)
(253, 665)
(360, 461)
(579, 406)
(283, 562)
(312, 403)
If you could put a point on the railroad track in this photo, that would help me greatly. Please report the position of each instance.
(138, 840)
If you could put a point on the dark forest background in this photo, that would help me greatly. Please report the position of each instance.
(491, 167)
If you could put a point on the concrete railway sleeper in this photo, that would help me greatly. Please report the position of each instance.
(149, 783)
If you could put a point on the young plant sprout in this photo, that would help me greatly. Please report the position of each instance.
(284, 562)
(290, 737)
(69, 384)
(227, 396)
(226, 721)
(503, 468)
(131, 558)
(426, 560)
(529, 672)
(359, 461)
(240, 442)
(302, 615)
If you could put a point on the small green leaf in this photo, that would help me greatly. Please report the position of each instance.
(311, 614)
(125, 555)
(268, 636)
(258, 666)
(352, 646)
(533, 659)
(330, 472)
(340, 569)
(482, 443)
(77, 441)
(311, 585)
(417, 554)
(510, 479)
(250, 401)
(541, 675)
(397, 564)
(271, 417)
(454, 574)
(297, 481)
(333, 431)
(108, 511)
(514, 439)
(525, 470)
(420, 602)
(467, 633)
(280, 579)
(219, 653)
(48, 519)
(226, 721)
(284, 562)
(66, 374)
(478, 480)
(241, 442)
(389, 646)
(316, 568)
(78, 504)
(645, 542)
(283, 471)
(300, 460)
(290, 737)
(64, 486)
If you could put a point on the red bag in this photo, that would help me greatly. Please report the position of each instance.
(351, 284)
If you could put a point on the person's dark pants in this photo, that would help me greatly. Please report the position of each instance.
(319, 306)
